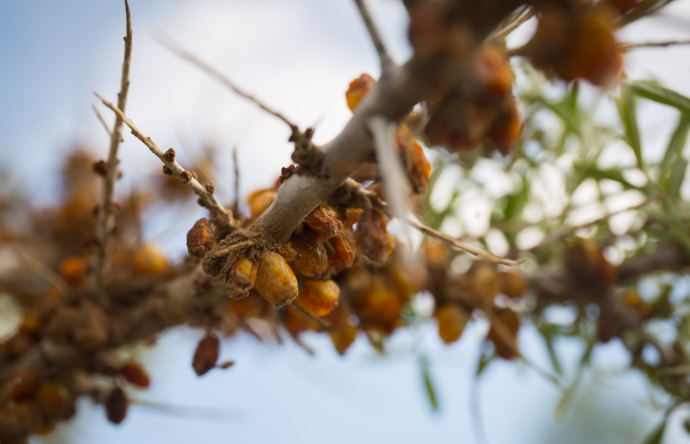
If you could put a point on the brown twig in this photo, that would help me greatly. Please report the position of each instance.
(629, 46)
(207, 197)
(235, 164)
(208, 69)
(387, 61)
(503, 33)
(106, 219)
(563, 232)
(105, 125)
(456, 243)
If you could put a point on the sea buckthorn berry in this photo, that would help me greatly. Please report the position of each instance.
(72, 269)
(353, 215)
(435, 253)
(633, 300)
(342, 332)
(506, 129)
(512, 283)
(584, 260)
(147, 259)
(55, 401)
(371, 237)
(313, 260)
(493, 69)
(418, 166)
(343, 251)
(296, 322)
(247, 266)
(380, 305)
(206, 354)
(259, 201)
(275, 280)
(510, 324)
(200, 238)
(451, 322)
(134, 373)
(26, 384)
(485, 284)
(116, 405)
(319, 297)
(252, 306)
(241, 277)
(324, 222)
(358, 89)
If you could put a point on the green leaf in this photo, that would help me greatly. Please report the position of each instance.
(657, 93)
(570, 115)
(568, 396)
(428, 383)
(677, 142)
(658, 432)
(677, 176)
(627, 109)
(611, 174)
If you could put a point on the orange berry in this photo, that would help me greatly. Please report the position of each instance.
(512, 283)
(147, 259)
(259, 201)
(72, 269)
(134, 373)
(494, 71)
(313, 260)
(435, 253)
(342, 333)
(380, 305)
(358, 89)
(343, 251)
(485, 284)
(511, 324)
(352, 216)
(249, 267)
(26, 384)
(200, 238)
(319, 297)
(372, 238)
(55, 401)
(116, 405)
(275, 280)
(296, 322)
(206, 354)
(506, 129)
(324, 222)
(451, 322)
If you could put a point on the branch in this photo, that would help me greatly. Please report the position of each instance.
(206, 197)
(392, 170)
(456, 243)
(629, 46)
(503, 33)
(180, 51)
(387, 61)
(106, 221)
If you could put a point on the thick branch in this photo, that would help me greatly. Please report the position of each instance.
(106, 220)
(384, 56)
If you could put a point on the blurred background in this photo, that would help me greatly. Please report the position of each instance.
(298, 56)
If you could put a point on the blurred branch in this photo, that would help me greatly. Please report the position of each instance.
(106, 220)
(503, 33)
(42, 270)
(629, 46)
(384, 56)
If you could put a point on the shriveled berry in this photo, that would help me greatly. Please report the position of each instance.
(26, 383)
(372, 238)
(136, 374)
(451, 322)
(55, 401)
(379, 305)
(200, 238)
(313, 260)
(417, 165)
(116, 405)
(435, 253)
(275, 280)
(324, 222)
(353, 215)
(247, 266)
(358, 89)
(73, 269)
(319, 297)
(342, 251)
(206, 354)
(148, 259)
(342, 332)
(510, 324)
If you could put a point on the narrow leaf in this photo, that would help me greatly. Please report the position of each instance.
(627, 109)
(658, 433)
(677, 176)
(428, 383)
(567, 397)
(657, 93)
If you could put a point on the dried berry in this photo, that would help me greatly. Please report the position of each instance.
(55, 401)
(147, 259)
(319, 297)
(26, 383)
(372, 238)
(358, 89)
(247, 266)
(342, 251)
(275, 280)
(451, 322)
(324, 222)
(512, 283)
(484, 281)
(342, 332)
(296, 322)
(200, 238)
(116, 405)
(509, 324)
(379, 305)
(313, 258)
(259, 201)
(352, 216)
(206, 354)
(134, 373)
(435, 253)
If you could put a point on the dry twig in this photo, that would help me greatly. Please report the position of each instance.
(629, 46)
(503, 33)
(45, 272)
(456, 243)
(106, 220)
(207, 197)
(387, 61)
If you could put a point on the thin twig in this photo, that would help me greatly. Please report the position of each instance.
(106, 220)
(563, 232)
(235, 164)
(503, 33)
(390, 165)
(387, 61)
(321, 322)
(456, 243)
(207, 197)
(629, 46)
(208, 69)
(42, 270)
(105, 125)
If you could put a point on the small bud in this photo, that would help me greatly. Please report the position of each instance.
(206, 354)
(210, 187)
(101, 168)
(170, 155)
(194, 175)
(134, 373)
(116, 405)
(186, 177)
(167, 171)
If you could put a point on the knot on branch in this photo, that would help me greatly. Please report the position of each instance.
(351, 194)
(306, 154)
(101, 168)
